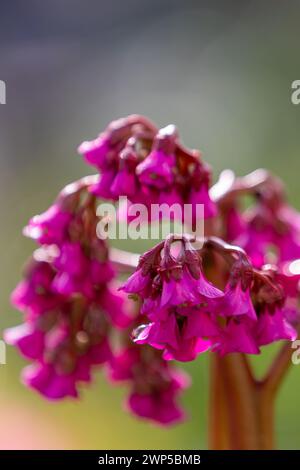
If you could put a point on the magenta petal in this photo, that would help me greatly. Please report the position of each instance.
(207, 289)
(136, 283)
(100, 273)
(142, 406)
(114, 305)
(72, 259)
(237, 337)
(29, 340)
(103, 188)
(124, 184)
(167, 199)
(237, 302)
(49, 227)
(96, 151)
(45, 380)
(274, 327)
(100, 353)
(164, 333)
(65, 284)
(120, 365)
(200, 324)
(187, 350)
(149, 407)
(201, 196)
(235, 224)
(157, 169)
(159, 335)
(176, 292)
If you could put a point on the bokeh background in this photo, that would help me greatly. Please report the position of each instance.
(221, 71)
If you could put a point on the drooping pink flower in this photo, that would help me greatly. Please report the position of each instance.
(159, 407)
(103, 151)
(173, 335)
(173, 289)
(236, 302)
(268, 232)
(28, 339)
(256, 240)
(71, 259)
(288, 234)
(65, 348)
(60, 378)
(34, 294)
(102, 188)
(236, 337)
(188, 315)
(157, 170)
(186, 289)
(273, 326)
(154, 384)
(125, 182)
(98, 152)
(49, 227)
(137, 282)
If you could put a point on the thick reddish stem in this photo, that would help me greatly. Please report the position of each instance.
(218, 431)
(278, 369)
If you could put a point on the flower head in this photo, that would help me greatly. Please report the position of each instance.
(149, 166)
(189, 315)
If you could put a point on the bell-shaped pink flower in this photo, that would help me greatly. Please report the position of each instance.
(136, 283)
(236, 337)
(103, 188)
(237, 301)
(97, 152)
(35, 294)
(49, 227)
(154, 383)
(273, 326)
(157, 169)
(28, 339)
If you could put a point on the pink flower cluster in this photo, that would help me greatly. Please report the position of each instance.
(73, 313)
(222, 298)
(148, 165)
(189, 315)
(69, 306)
(269, 231)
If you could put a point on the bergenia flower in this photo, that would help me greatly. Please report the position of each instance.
(49, 227)
(154, 384)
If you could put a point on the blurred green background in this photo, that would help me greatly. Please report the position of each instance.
(221, 71)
